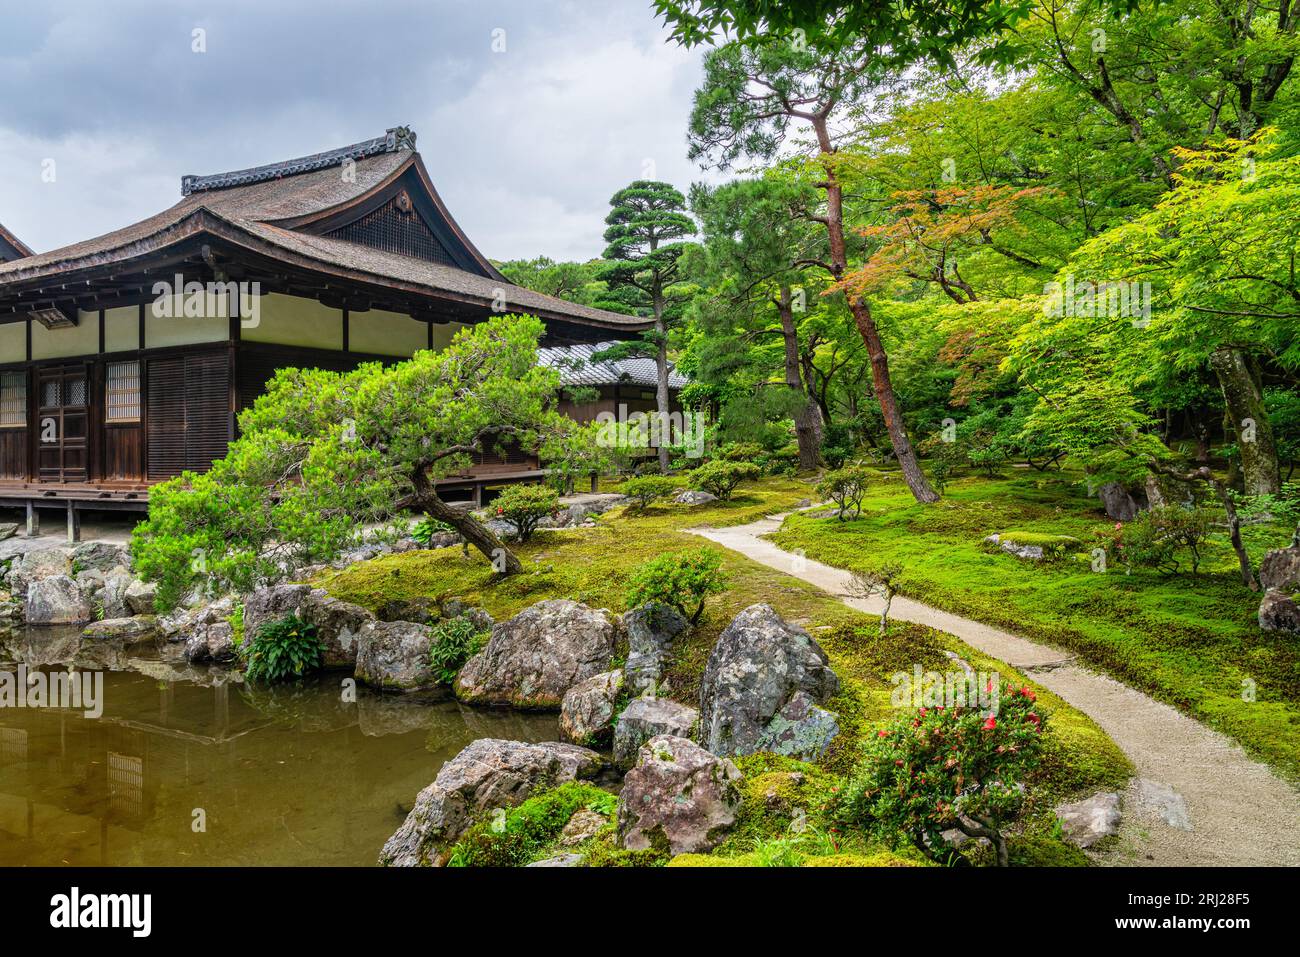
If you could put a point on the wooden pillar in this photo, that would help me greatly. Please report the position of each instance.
(33, 521)
(74, 523)
(595, 482)
(478, 494)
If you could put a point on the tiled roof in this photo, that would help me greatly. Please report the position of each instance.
(12, 245)
(577, 368)
(262, 201)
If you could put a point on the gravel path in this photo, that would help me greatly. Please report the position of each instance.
(1239, 811)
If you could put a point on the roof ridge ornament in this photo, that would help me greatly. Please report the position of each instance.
(394, 140)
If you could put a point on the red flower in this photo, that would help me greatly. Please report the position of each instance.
(991, 723)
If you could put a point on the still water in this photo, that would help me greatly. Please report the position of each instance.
(285, 775)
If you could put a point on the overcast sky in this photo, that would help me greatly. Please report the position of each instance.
(526, 145)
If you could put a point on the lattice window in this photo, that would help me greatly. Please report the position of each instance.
(395, 229)
(122, 391)
(13, 400)
(52, 394)
(125, 783)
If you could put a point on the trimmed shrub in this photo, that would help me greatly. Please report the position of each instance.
(524, 506)
(720, 478)
(682, 580)
(283, 649)
(645, 490)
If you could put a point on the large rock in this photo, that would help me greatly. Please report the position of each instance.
(395, 654)
(211, 637)
(678, 798)
(1084, 823)
(38, 564)
(651, 631)
(122, 629)
(758, 665)
(478, 617)
(1120, 503)
(1280, 570)
(489, 773)
(112, 594)
(533, 659)
(1279, 612)
(339, 624)
(587, 712)
(139, 597)
(646, 718)
(692, 496)
(800, 729)
(100, 555)
(57, 600)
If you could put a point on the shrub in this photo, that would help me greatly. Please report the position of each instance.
(524, 506)
(846, 488)
(1157, 538)
(882, 581)
(428, 527)
(945, 767)
(455, 641)
(783, 461)
(647, 489)
(283, 649)
(741, 452)
(682, 580)
(720, 478)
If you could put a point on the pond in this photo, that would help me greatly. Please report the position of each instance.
(309, 774)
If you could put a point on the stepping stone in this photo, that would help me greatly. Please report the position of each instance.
(1165, 801)
(1086, 822)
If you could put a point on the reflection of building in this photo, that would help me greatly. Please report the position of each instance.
(333, 259)
(282, 775)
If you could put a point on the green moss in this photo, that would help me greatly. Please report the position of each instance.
(1191, 641)
(785, 811)
(530, 829)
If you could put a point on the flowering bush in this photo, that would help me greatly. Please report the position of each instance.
(1158, 537)
(524, 506)
(939, 768)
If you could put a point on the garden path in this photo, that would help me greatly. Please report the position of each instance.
(1240, 812)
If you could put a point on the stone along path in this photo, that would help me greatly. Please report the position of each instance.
(1196, 799)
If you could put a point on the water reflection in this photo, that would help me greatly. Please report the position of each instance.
(286, 775)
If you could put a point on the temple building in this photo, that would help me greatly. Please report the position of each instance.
(125, 359)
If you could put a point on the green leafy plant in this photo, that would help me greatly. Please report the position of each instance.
(846, 488)
(524, 506)
(236, 621)
(682, 580)
(720, 478)
(946, 767)
(645, 490)
(454, 642)
(283, 649)
(426, 528)
(741, 452)
(1160, 538)
(521, 834)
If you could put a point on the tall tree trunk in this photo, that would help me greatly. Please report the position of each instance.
(1245, 407)
(807, 415)
(474, 532)
(880, 381)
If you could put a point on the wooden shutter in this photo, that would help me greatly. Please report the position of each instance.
(188, 403)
